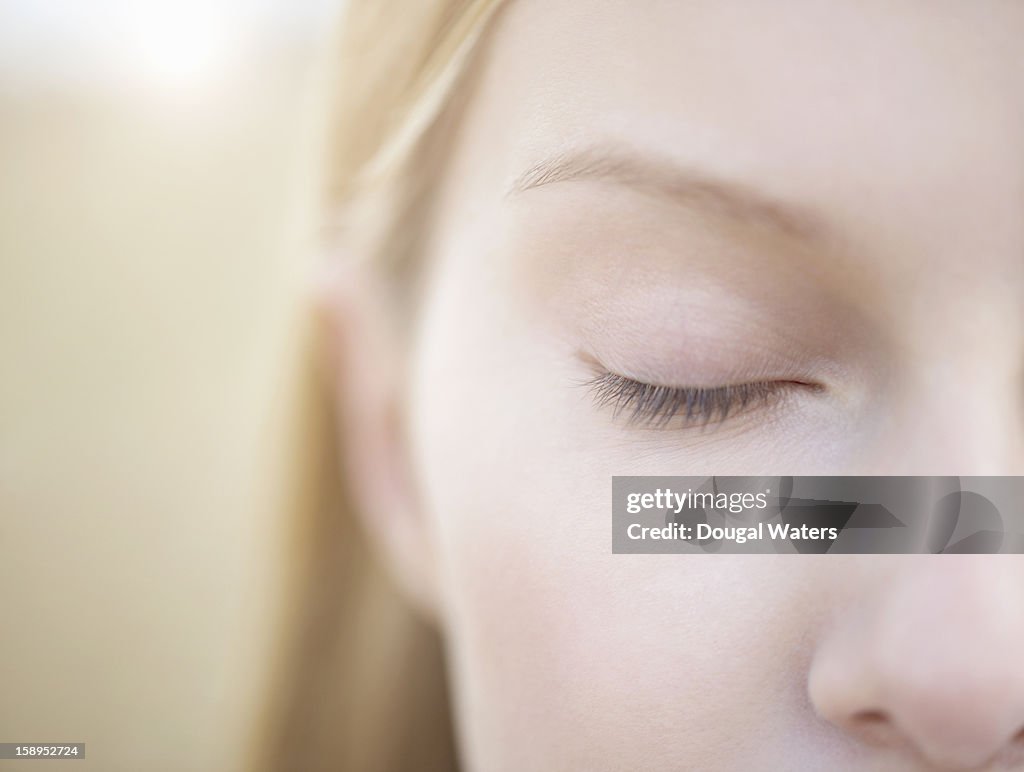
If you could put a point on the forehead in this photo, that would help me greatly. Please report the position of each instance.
(923, 68)
(848, 104)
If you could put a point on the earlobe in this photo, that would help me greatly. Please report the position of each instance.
(364, 352)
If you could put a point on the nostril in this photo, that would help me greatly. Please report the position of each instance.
(874, 727)
(870, 718)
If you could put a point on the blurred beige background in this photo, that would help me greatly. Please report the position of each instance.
(158, 176)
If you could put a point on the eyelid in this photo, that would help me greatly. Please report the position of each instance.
(655, 406)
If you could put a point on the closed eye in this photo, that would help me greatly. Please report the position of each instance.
(647, 404)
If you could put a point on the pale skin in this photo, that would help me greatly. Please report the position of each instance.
(827, 197)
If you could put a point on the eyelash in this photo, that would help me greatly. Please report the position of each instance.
(650, 405)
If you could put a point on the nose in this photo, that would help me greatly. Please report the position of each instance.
(931, 663)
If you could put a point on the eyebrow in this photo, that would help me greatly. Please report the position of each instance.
(692, 188)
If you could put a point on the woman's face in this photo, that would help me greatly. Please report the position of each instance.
(822, 199)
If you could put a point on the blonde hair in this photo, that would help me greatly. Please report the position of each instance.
(361, 683)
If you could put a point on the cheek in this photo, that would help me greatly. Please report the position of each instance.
(559, 649)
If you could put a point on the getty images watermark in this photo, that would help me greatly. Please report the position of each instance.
(818, 515)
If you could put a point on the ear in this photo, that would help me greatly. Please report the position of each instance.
(366, 367)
